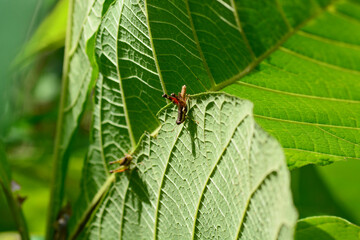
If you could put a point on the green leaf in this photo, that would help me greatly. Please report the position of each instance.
(123, 110)
(126, 62)
(109, 120)
(218, 176)
(50, 35)
(80, 70)
(301, 92)
(146, 48)
(96, 171)
(306, 93)
(304, 87)
(13, 202)
(325, 228)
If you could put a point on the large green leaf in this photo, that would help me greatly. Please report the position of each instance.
(305, 94)
(117, 120)
(146, 48)
(325, 228)
(218, 176)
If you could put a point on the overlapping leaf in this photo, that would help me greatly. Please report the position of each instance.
(306, 94)
(301, 96)
(79, 70)
(222, 177)
(326, 227)
(126, 94)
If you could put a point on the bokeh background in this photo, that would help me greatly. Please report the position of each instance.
(32, 46)
(31, 62)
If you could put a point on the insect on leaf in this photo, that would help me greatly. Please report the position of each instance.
(221, 178)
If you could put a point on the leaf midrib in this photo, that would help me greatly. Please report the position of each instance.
(54, 205)
(162, 182)
(216, 163)
(71, 53)
(78, 37)
(238, 23)
(326, 154)
(306, 123)
(126, 113)
(328, 40)
(211, 78)
(272, 171)
(319, 62)
(297, 94)
(152, 47)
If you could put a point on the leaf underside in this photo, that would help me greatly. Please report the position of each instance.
(301, 92)
(222, 177)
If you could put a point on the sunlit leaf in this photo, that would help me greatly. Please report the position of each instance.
(218, 176)
(302, 91)
(306, 93)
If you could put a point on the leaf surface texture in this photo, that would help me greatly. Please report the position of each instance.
(221, 178)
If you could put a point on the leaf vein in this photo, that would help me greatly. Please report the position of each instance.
(310, 59)
(211, 173)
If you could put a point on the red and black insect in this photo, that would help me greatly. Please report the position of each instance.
(180, 101)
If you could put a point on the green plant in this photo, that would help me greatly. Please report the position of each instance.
(295, 60)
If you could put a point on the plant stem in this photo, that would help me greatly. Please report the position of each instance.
(14, 205)
(17, 213)
(60, 164)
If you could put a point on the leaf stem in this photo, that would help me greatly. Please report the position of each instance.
(17, 213)
(94, 203)
(14, 205)
(60, 165)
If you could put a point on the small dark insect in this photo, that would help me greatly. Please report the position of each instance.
(124, 164)
(180, 101)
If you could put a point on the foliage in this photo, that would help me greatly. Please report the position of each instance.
(327, 227)
(219, 170)
(295, 60)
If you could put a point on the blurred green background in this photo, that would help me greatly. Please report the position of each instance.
(31, 62)
(32, 39)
